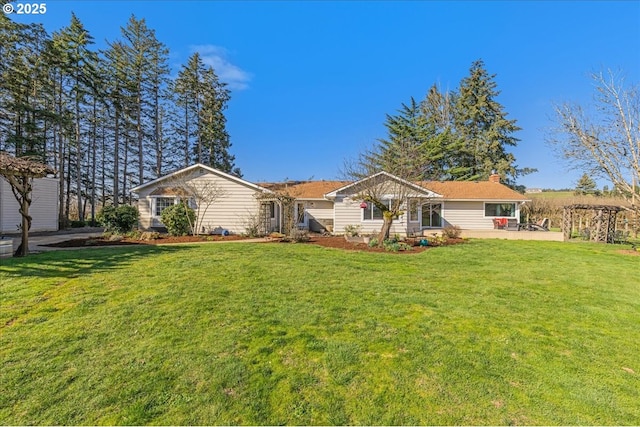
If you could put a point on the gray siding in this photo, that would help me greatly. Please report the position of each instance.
(43, 209)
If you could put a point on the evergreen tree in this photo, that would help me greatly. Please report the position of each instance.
(481, 122)
(77, 64)
(586, 185)
(409, 130)
(202, 99)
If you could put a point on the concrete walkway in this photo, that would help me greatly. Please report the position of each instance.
(513, 235)
(37, 242)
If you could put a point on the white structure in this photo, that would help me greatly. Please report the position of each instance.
(43, 209)
(333, 205)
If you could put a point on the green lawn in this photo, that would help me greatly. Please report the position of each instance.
(489, 332)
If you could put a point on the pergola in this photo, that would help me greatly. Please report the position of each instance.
(603, 224)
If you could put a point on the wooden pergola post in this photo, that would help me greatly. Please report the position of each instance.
(603, 221)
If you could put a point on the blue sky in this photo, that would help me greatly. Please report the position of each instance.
(312, 81)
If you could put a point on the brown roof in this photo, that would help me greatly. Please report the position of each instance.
(305, 190)
(455, 190)
(463, 190)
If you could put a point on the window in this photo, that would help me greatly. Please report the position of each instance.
(432, 215)
(500, 209)
(163, 203)
(372, 212)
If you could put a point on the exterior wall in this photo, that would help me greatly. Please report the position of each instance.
(43, 209)
(349, 212)
(469, 215)
(231, 211)
(319, 215)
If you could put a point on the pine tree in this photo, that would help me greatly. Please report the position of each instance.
(79, 76)
(586, 185)
(483, 125)
(202, 99)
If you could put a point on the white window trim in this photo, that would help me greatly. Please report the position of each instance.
(515, 209)
(418, 207)
(376, 221)
(154, 200)
(442, 221)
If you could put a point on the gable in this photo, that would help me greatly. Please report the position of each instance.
(381, 179)
(190, 173)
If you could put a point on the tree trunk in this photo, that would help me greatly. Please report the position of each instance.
(386, 228)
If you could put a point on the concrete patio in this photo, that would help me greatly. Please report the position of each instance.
(513, 235)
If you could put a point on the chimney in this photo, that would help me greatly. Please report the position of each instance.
(494, 177)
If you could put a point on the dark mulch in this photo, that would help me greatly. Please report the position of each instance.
(337, 242)
(163, 240)
(341, 243)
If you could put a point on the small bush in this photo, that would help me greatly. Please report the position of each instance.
(300, 236)
(405, 246)
(178, 219)
(451, 232)
(391, 245)
(78, 224)
(373, 242)
(352, 230)
(149, 235)
(118, 220)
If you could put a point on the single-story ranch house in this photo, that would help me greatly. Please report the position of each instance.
(329, 205)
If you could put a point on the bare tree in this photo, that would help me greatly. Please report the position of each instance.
(604, 138)
(201, 193)
(388, 181)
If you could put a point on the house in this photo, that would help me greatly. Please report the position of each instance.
(43, 209)
(233, 206)
(333, 205)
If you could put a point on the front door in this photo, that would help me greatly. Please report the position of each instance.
(431, 215)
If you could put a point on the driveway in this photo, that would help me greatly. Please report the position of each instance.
(38, 240)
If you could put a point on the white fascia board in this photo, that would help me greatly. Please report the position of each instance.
(420, 189)
(205, 167)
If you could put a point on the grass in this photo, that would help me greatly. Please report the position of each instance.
(490, 332)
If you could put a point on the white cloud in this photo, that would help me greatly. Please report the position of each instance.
(216, 57)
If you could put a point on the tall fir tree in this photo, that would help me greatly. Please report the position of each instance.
(201, 126)
(481, 122)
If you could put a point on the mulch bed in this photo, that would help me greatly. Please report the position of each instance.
(163, 240)
(337, 242)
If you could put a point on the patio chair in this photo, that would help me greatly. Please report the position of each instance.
(500, 223)
(542, 225)
(512, 225)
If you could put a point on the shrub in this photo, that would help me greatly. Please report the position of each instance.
(300, 236)
(178, 219)
(77, 224)
(118, 220)
(149, 235)
(391, 245)
(451, 232)
(373, 242)
(352, 230)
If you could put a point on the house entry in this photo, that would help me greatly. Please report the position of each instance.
(301, 216)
